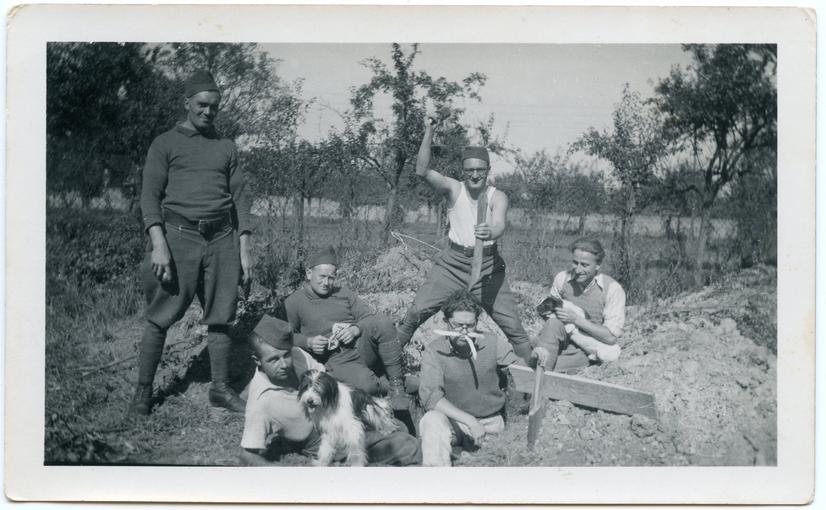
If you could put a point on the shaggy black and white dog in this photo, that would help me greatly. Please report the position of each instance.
(342, 414)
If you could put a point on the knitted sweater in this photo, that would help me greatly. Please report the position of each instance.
(471, 385)
(310, 314)
(195, 176)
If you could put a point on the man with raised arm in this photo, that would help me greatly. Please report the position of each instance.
(452, 269)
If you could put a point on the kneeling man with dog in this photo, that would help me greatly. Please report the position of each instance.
(276, 422)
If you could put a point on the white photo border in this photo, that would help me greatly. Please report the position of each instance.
(31, 27)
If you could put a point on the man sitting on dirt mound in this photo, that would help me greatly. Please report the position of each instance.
(459, 386)
(341, 331)
(588, 312)
(452, 268)
(275, 422)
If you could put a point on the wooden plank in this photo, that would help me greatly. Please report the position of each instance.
(587, 392)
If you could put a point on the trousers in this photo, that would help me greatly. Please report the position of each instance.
(565, 356)
(376, 350)
(439, 434)
(450, 273)
(207, 266)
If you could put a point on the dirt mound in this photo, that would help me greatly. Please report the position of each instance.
(708, 357)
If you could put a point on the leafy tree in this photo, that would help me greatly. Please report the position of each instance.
(389, 148)
(722, 108)
(104, 103)
(635, 148)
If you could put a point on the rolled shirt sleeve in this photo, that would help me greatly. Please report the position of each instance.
(559, 281)
(613, 315)
(431, 383)
(259, 427)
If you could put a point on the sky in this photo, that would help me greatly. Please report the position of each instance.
(543, 96)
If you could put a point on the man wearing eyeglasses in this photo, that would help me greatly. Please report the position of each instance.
(452, 268)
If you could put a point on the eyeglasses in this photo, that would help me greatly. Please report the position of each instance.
(461, 327)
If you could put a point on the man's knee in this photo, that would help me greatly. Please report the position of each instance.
(407, 449)
(357, 376)
(553, 332)
(434, 423)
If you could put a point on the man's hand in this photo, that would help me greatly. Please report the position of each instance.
(317, 344)
(565, 316)
(541, 354)
(477, 430)
(346, 335)
(482, 231)
(161, 258)
(246, 259)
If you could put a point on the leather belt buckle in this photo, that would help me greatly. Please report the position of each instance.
(204, 227)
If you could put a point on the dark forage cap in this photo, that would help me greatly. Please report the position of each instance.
(275, 332)
(199, 81)
(475, 153)
(326, 255)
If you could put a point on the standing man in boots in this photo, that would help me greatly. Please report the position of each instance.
(196, 213)
(453, 266)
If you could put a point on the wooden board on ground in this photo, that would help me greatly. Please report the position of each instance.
(587, 392)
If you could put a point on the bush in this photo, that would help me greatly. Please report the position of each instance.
(92, 247)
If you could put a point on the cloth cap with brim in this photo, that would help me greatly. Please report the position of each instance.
(199, 82)
(275, 332)
(475, 153)
(325, 256)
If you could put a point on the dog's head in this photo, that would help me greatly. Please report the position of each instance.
(317, 391)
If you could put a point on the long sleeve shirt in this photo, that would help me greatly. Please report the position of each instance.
(194, 175)
(471, 385)
(310, 314)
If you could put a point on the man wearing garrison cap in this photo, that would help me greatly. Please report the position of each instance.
(453, 266)
(196, 214)
(343, 332)
(275, 422)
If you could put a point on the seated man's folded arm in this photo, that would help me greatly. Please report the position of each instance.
(505, 355)
(294, 318)
(360, 309)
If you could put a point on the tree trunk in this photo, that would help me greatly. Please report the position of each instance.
(388, 214)
(299, 223)
(699, 273)
(581, 229)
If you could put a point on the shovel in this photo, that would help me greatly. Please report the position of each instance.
(536, 412)
(478, 248)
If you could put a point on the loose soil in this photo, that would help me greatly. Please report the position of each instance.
(708, 357)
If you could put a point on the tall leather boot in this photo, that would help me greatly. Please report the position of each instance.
(221, 395)
(142, 401)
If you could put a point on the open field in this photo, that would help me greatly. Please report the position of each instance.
(708, 355)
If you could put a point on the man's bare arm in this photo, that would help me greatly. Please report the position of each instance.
(494, 227)
(253, 458)
(437, 181)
